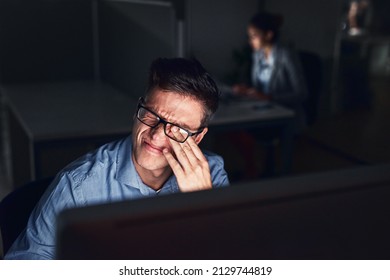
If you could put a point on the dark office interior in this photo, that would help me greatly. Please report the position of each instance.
(81, 45)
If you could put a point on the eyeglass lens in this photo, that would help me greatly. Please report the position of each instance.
(152, 120)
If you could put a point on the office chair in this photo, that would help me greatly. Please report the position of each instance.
(16, 207)
(313, 71)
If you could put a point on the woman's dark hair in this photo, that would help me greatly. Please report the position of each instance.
(267, 22)
(188, 78)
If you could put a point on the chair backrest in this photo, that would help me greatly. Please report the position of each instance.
(16, 207)
(313, 70)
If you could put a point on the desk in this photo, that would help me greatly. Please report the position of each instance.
(52, 124)
(247, 114)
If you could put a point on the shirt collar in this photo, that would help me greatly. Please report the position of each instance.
(128, 175)
(260, 56)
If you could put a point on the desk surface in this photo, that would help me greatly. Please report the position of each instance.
(51, 111)
(246, 111)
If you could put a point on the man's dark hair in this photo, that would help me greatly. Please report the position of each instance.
(188, 78)
(267, 22)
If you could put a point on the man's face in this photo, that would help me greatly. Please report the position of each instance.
(148, 143)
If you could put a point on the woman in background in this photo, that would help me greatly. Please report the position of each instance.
(276, 72)
(276, 75)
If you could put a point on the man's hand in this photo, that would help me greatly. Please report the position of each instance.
(190, 166)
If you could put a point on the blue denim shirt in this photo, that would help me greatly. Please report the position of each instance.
(105, 175)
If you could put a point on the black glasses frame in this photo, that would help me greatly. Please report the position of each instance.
(164, 122)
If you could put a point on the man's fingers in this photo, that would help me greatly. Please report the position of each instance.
(186, 149)
(195, 148)
(180, 154)
(177, 133)
(190, 166)
(173, 163)
(192, 150)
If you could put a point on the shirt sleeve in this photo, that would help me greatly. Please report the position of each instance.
(37, 241)
(219, 176)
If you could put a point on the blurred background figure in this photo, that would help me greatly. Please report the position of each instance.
(276, 73)
(358, 16)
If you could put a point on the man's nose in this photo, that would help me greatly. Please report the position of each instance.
(157, 132)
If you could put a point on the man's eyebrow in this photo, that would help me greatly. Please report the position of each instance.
(182, 125)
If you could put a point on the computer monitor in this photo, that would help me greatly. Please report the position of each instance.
(333, 215)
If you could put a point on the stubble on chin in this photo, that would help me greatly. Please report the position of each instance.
(148, 162)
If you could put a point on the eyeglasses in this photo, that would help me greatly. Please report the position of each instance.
(151, 119)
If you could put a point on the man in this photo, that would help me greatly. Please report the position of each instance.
(160, 157)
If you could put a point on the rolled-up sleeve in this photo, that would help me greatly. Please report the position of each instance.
(218, 173)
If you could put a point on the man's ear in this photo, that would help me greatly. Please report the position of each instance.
(200, 136)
